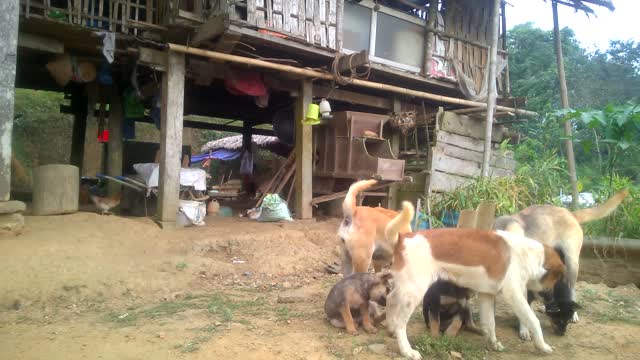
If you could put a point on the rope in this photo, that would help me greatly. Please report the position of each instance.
(342, 80)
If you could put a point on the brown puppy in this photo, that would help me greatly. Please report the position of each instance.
(446, 309)
(349, 301)
(558, 227)
(362, 233)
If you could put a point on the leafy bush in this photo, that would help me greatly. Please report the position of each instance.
(625, 221)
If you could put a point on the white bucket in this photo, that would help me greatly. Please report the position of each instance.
(191, 213)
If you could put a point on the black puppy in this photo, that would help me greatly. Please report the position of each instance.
(446, 309)
(557, 302)
(557, 305)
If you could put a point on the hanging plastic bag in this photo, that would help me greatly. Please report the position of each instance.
(274, 209)
(246, 165)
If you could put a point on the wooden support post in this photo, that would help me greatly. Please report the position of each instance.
(171, 139)
(9, 15)
(114, 149)
(507, 81)
(392, 198)
(304, 153)
(491, 87)
(564, 97)
(430, 36)
(92, 152)
(79, 109)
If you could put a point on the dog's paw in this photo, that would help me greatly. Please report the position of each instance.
(353, 332)
(575, 318)
(497, 346)
(413, 354)
(524, 334)
(545, 348)
(370, 329)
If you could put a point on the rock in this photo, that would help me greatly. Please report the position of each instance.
(286, 285)
(11, 223)
(12, 206)
(358, 350)
(379, 349)
(161, 335)
(455, 354)
(294, 296)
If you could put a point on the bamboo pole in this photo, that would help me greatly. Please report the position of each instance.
(326, 76)
(507, 80)
(491, 87)
(431, 24)
(564, 98)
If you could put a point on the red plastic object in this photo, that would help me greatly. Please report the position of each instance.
(103, 136)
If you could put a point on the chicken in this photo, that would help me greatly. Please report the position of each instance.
(105, 204)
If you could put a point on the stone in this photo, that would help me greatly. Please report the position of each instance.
(11, 223)
(12, 206)
(294, 296)
(455, 355)
(379, 349)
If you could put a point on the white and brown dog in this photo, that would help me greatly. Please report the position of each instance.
(362, 233)
(558, 227)
(490, 263)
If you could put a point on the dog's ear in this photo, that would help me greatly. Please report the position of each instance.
(385, 277)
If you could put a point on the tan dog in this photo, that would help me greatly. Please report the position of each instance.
(362, 233)
(558, 227)
(490, 263)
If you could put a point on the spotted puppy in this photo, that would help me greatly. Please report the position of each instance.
(354, 299)
(446, 309)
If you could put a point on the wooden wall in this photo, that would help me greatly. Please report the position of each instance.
(315, 21)
(457, 153)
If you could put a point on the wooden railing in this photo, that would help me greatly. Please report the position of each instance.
(123, 16)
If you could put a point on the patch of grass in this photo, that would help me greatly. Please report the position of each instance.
(441, 347)
(122, 319)
(168, 308)
(622, 308)
(192, 345)
(226, 308)
(181, 265)
(283, 313)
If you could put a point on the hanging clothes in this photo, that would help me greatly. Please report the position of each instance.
(247, 83)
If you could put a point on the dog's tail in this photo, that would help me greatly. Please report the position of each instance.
(349, 203)
(601, 211)
(403, 220)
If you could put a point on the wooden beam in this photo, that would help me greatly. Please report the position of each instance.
(352, 97)
(40, 43)
(392, 198)
(341, 194)
(491, 87)
(211, 126)
(313, 74)
(430, 36)
(154, 58)
(115, 147)
(171, 139)
(210, 30)
(304, 153)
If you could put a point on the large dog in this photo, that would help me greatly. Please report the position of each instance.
(558, 227)
(362, 233)
(487, 262)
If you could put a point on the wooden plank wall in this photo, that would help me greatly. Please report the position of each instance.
(312, 20)
(457, 154)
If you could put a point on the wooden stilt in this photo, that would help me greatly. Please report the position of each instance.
(491, 87)
(114, 149)
(304, 153)
(171, 139)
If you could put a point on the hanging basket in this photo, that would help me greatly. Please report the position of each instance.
(404, 121)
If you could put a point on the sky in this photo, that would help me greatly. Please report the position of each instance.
(592, 32)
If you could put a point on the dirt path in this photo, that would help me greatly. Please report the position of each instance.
(85, 286)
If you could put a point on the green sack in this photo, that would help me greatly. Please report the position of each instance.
(133, 106)
(274, 209)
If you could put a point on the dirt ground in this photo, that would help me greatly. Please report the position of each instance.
(85, 286)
